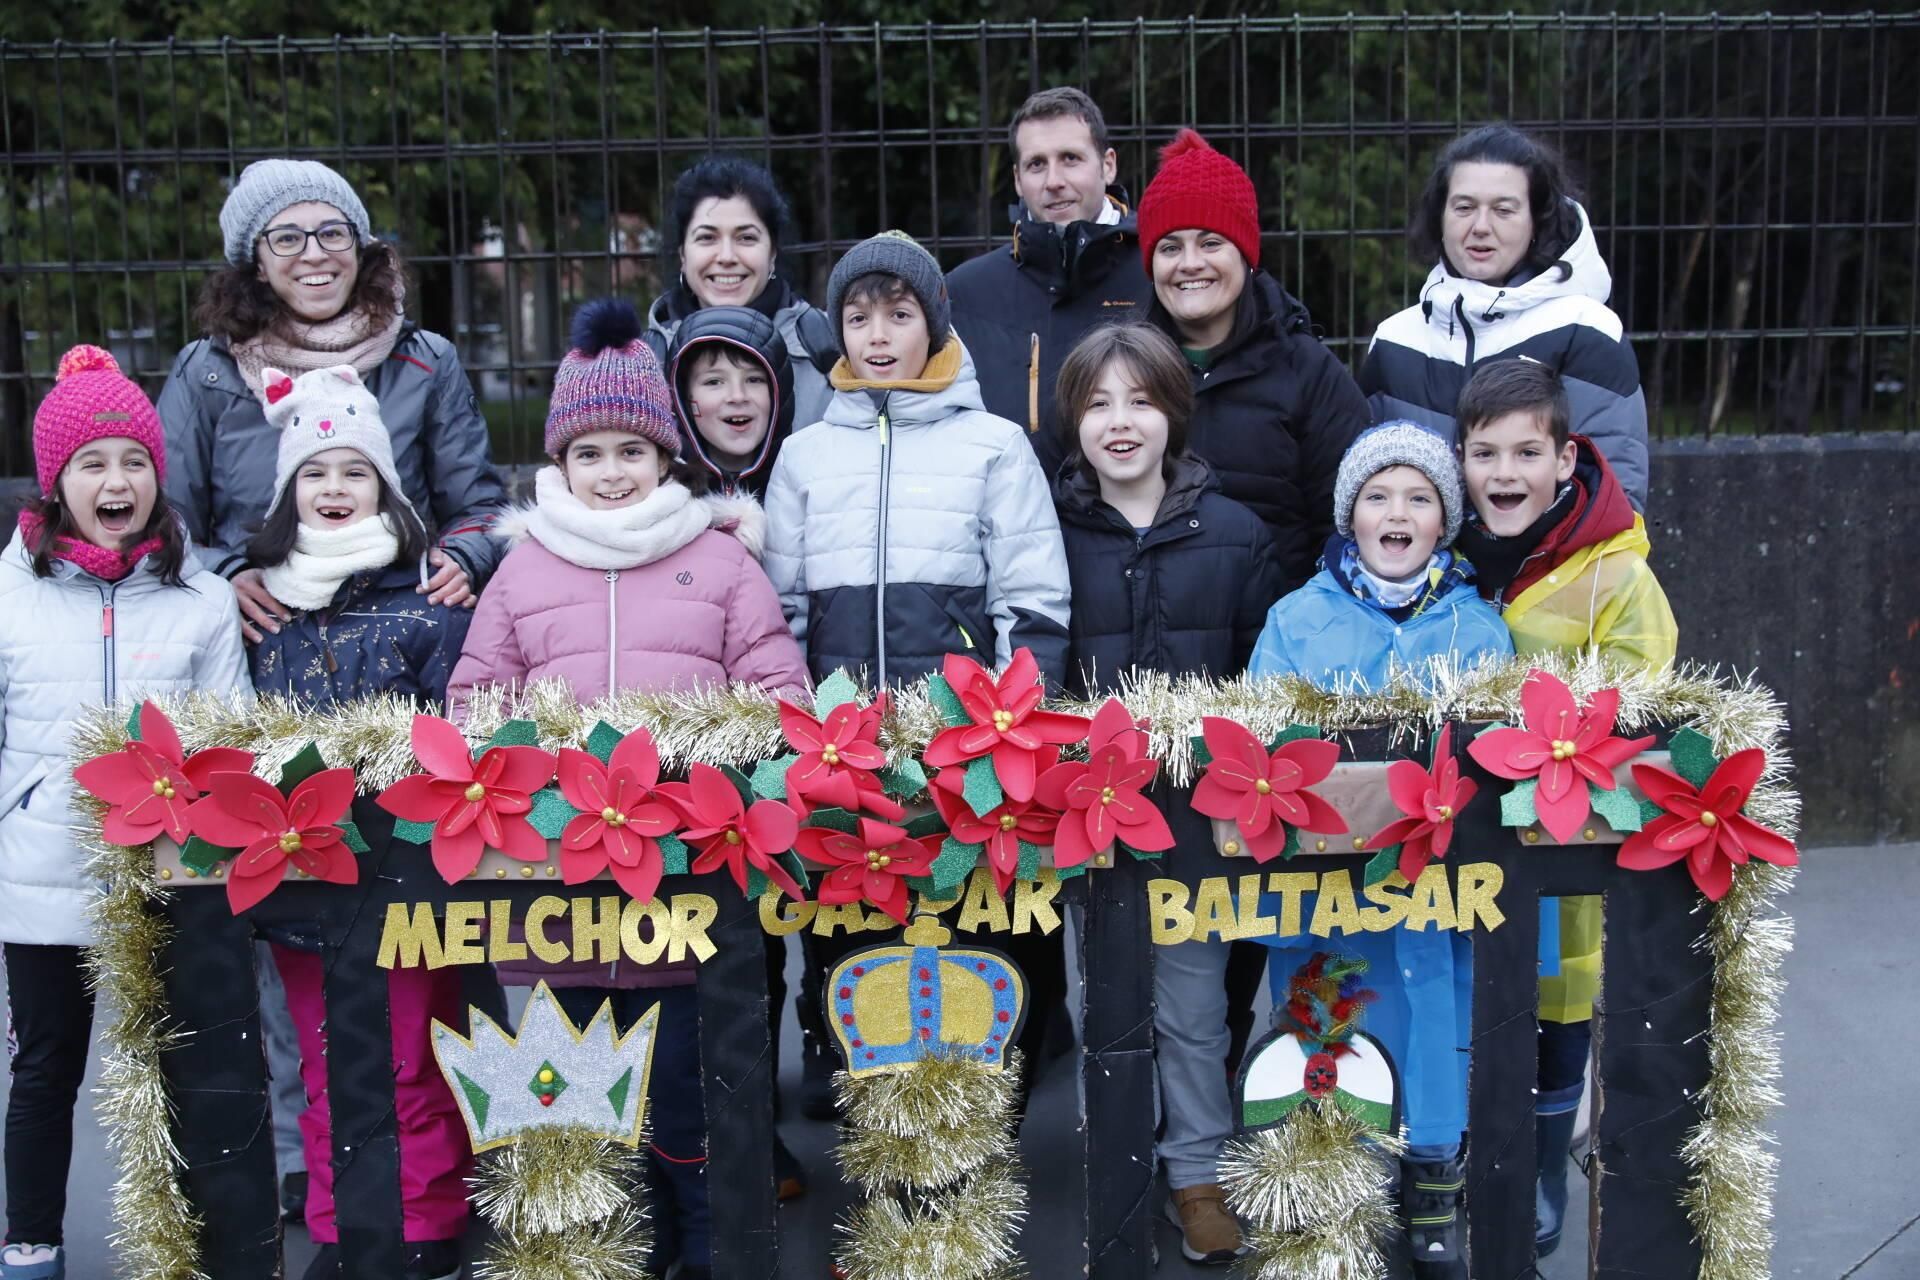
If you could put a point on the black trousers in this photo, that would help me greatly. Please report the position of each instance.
(50, 1020)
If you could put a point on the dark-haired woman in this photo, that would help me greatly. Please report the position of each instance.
(725, 219)
(100, 603)
(307, 286)
(1517, 274)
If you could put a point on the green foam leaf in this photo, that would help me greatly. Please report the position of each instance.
(203, 857)
(757, 883)
(1292, 846)
(673, 855)
(797, 868)
(550, 813)
(1140, 855)
(836, 689)
(350, 832)
(516, 733)
(1648, 812)
(1068, 873)
(1517, 806)
(741, 783)
(926, 824)
(1619, 807)
(1201, 756)
(1380, 866)
(840, 820)
(413, 832)
(1293, 733)
(1029, 865)
(982, 792)
(133, 726)
(602, 741)
(1693, 757)
(305, 763)
(769, 780)
(955, 862)
(903, 781)
(946, 701)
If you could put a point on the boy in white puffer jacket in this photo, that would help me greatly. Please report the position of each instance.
(100, 604)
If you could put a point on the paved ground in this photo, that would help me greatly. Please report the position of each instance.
(1849, 1196)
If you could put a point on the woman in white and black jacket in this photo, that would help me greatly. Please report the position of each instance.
(1518, 274)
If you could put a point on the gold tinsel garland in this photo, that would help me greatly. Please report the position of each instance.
(933, 1149)
(1729, 1196)
(1316, 1193)
(564, 1205)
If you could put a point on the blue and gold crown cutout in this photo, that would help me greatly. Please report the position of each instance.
(893, 1006)
(550, 1075)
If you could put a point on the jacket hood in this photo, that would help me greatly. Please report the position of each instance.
(947, 386)
(1075, 257)
(755, 335)
(1076, 492)
(678, 304)
(1580, 272)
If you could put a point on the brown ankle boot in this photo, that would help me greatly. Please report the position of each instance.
(1209, 1233)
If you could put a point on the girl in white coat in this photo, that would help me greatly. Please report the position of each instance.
(100, 603)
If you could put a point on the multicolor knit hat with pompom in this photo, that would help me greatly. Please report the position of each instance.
(91, 400)
(1197, 188)
(610, 381)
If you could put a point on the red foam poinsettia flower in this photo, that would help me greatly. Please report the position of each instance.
(270, 830)
(1706, 827)
(1564, 745)
(870, 866)
(1264, 793)
(839, 757)
(1008, 724)
(149, 785)
(1431, 801)
(1000, 829)
(622, 816)
(730, 833)
(474, 805)
(1104, 799)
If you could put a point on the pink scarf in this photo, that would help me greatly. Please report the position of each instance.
(102, 563)
(296, 347)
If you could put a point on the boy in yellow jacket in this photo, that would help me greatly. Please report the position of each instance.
(1559, 549)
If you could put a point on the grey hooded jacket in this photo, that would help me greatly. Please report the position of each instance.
(221, 450)
(912, 524)
(810, 339)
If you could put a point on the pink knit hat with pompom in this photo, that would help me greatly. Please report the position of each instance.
(91, 400)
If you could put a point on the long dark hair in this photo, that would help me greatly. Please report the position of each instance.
(57, 523)
(275, 541)
(1550, 193)
(237, 304)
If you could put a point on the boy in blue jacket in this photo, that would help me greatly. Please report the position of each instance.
(1391, 596)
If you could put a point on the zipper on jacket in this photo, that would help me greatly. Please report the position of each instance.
(1033, 384)
(880, 554)
(1460, 312)
(107, 681)
(326, 651)
(613, 629)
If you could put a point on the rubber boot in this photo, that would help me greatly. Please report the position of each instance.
(1552, 1136)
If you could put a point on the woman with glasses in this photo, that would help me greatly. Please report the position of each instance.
(306, 286)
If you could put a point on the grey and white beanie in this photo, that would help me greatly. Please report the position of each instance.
(1399, 444)
(268, 186)
(326, 409)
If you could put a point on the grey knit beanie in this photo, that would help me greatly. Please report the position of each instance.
(896, 254)
(1399, 444)
(268, 186)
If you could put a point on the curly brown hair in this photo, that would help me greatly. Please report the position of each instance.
(237, 304)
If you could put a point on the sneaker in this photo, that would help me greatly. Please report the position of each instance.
(293, 1197)
(789, 1179)
(1430, 1201)
(1209, 1233)
(33, 1262)
(432, 1260)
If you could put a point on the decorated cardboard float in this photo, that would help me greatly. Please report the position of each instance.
(686, 825)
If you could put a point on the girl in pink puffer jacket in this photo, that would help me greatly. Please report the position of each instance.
(624, 577)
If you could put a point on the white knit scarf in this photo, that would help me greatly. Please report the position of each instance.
(623, 538)
(322, 559)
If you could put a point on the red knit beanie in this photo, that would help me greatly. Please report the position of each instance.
(91, 400)
(1197, 188)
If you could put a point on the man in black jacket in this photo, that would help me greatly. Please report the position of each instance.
(1073, 263)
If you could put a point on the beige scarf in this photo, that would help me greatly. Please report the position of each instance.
(296, 347)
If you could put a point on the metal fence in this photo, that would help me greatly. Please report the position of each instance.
(1754, 180)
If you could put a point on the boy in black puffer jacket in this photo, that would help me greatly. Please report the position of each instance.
(1169, 575)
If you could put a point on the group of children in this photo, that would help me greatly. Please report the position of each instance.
(908, 524)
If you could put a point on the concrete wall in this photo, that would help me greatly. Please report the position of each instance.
(1797, 558)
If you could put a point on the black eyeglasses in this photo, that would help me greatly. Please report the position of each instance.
(288, 242)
